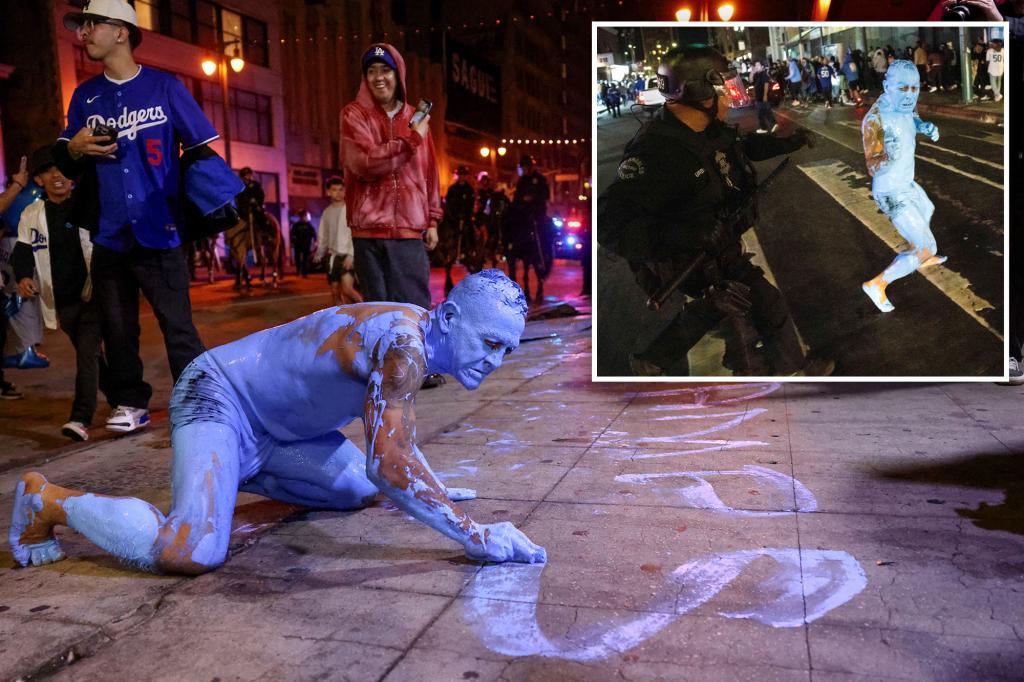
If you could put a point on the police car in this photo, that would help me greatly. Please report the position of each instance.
(571, 234)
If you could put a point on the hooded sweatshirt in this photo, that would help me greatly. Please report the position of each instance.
(392, 189)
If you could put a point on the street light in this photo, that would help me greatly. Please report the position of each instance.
(485, 152)
(502, 151)
(209, 66)
(725, 12)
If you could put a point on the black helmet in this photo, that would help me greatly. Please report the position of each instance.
(526, 160)
(462, 170)
(690, 74)
(245, 171)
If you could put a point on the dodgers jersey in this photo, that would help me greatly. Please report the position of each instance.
(139, 190)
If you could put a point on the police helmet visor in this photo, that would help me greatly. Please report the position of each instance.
(693, 75)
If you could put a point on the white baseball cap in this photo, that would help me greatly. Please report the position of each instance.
(99, 10)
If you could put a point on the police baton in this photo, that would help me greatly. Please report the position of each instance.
(661, 295)
(657, 300)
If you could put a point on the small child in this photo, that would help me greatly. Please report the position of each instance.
(335, 241)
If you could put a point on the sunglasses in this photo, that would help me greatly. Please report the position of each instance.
(89, 25)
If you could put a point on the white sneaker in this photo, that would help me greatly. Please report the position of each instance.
(761, 131)
(75, 431)
(127, 419)
(1016, 373)
(997, 98)
(774, 129)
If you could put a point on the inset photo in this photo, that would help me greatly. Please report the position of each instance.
(812, 201)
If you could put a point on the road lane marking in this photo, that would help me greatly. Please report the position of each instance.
(990, 138)
(966, 156)
(850, 190)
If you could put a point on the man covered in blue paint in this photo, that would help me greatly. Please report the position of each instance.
(890, 130)
(262, 414)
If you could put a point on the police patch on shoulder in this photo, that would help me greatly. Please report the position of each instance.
(631, 168)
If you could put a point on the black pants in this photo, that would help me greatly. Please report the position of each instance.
(162, 275)
(393, 270)
(302, 261)
(765, 117)
(81, 322)
(768, 321)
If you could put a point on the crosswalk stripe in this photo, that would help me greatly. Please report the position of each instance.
(850, 189)
(990, 138)
(959, 171)
(975, 159)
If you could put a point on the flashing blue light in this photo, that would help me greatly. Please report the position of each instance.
(570, 240)
(558, 222)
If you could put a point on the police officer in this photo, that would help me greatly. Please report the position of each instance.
(530, 230)
(682, 197)
(457, 226)
(251, 199)
(490, 208)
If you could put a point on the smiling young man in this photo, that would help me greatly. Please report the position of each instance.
(392, 189)
(262, 414)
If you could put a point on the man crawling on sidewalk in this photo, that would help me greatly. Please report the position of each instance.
(262, 414)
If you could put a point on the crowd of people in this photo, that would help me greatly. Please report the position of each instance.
(825, 79)
(106, 212)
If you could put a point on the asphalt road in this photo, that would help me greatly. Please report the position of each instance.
(820, 236)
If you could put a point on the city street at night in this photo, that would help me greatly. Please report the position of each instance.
(820, 235)
(751, 531)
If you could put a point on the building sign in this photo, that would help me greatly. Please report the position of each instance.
(605, 59)
(305, 181)
(474, 90)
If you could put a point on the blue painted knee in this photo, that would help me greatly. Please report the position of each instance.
(184, 550)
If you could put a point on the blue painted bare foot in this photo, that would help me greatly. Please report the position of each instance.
(461, 494)
(31, 538)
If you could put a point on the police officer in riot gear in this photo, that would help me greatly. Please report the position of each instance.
(683, 195)
(456, 230)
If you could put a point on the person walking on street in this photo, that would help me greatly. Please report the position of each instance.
(335, 242)
(795, 79)
(994, 57)
(762, 84)
(302, 235)
(825, 75)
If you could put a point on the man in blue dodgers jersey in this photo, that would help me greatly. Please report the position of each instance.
(137, 243)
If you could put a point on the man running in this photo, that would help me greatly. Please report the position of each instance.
(889, 131)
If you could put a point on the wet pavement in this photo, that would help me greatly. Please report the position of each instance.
(754, 531)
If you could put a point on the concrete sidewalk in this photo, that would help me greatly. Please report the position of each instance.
(798, 531)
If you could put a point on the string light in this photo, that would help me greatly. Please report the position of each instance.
(483, 24)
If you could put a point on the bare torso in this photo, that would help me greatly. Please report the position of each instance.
(308, 377)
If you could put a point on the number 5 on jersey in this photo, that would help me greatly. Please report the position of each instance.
(154, 154)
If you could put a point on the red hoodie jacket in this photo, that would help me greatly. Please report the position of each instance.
(392, 189)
